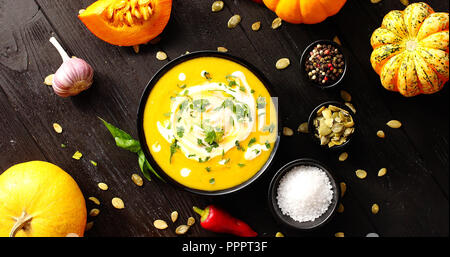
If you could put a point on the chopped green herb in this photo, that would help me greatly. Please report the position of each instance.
(200, 104)
(242, 88)
(252, 91)
(180, 131)
(181, 86)
(238, 146)
(212, 181)
(167, 114)
(268, 128)
(205, 160)
(63, 145)
(251, 142)
(241, 165)
(261, 102)
(200, 142)
(173, 148)
(267, 145)
(227, 161)
(208, 169)
(93, 162)
(191, 155)
(256, 151)
(213, 137)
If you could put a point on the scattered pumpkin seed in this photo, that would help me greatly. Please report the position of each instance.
(94, 200)
(234, 21)
(217, 6)
(380, 134)
(340, 209)
(190, 221)
(346, 96)
(102, 186)
(136, 48)
(160, 55)
(93, 163)
(160, 224)
(287, 131)
(394, 124)
(339, 234)
(72, 235)
(382, 172)
(49, 80)
(375, 208)
(343, 188)
(94, 212)
(117, 203)
(279, 234)
(58, 129)
(174, 216)
(137, 179)
(372, 235)
(343, 156)
(303, 128)
(362, 174)
(77, 155)
(89, 226)
(404, 2)
(350, 105)
(282, 63)
(182, 229)
(222, 49)
(256, 26)
(337, 40)
(276, 23)
(375, 1)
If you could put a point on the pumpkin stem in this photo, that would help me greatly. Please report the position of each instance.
(20, 223)
(60, 49)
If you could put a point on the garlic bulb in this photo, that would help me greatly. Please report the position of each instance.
(73, 76)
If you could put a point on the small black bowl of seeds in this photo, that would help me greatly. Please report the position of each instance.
(332, 125)
(323, 64)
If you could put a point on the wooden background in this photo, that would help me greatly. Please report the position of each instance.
(413, 196)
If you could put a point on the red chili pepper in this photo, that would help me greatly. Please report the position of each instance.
(219, 221)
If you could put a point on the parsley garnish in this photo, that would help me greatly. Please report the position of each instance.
(173, 148)
(251, 142)
(180, 131)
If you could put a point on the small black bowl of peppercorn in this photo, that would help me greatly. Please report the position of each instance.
(323, 64)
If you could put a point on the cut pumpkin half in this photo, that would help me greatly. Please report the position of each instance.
(127, 22)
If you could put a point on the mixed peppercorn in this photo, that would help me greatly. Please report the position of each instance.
(325, 64)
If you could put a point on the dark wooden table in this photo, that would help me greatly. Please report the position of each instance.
(413, 196)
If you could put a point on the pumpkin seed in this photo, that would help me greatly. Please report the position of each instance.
(94, 200)
(372, 235)
(136, 48)
(117, 203)
(382, 172)
(222, 49)
(375, 208)
(333, 125)
(160, 224)
(256, 26)
(72, 235)
(343, 188)
(340, 209)
(287, 131)
(49, 80)
(282, 63)
(77, 155)
(350, 105)
(276, 23)
(217, 6)
(182, 229)
(279, 234)
(404, 2)
(380, 134)
(394, 124)
(89, 226)
(375, 1)
(337, 40)
(94, 212)
(346, 96)
(160, 55)
(303, 128)
(174, 216)
(58, 129)
(190, 221)
(362, 174)
(343, 156)
(339, 234)
(137, 179)
(234, 21)
(102, 186)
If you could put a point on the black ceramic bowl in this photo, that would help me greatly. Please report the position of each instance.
(143, 101)
(312, 129)
(305, 56)
(287, 220)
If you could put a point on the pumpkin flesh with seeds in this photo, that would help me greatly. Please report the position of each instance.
(127, 22)
(304, 11)
(410, 50)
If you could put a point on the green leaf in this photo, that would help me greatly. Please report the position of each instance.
(128, 144)
(116, 132)
(251, 142)
(142, 160)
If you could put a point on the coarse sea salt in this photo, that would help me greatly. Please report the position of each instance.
(304, 193)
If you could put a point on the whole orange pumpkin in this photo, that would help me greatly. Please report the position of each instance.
(304, 11)
(410, 50)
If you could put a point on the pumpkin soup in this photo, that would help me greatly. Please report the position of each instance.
(210, 123)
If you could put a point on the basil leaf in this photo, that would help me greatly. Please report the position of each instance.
(116, 132)
(142, 160)
(128, 144)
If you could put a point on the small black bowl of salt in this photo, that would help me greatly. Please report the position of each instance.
(303, 194)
